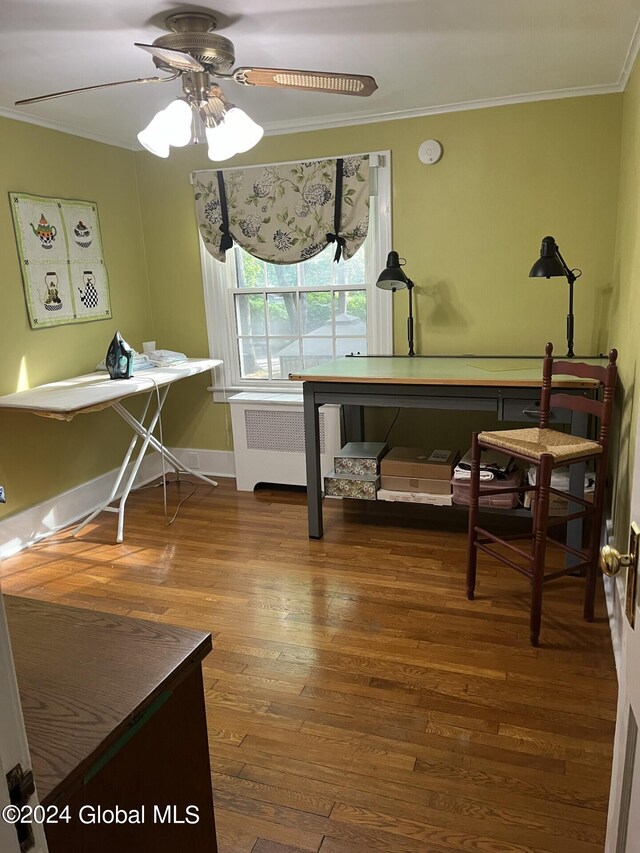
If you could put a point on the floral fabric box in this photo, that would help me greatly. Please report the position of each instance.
(360, 458)
(362, 487)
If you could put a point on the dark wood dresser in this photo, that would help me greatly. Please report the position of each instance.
(115, 718)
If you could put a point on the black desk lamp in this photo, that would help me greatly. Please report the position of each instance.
(551, 264)
(393, 278)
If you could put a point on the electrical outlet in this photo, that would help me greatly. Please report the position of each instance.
(632, 574)
(193, 460)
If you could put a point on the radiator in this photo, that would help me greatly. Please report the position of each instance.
(268, 439)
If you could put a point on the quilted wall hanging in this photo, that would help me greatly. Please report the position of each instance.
(60, 249)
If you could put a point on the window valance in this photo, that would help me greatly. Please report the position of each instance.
(285, 213)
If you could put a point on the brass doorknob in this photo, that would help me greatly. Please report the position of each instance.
(611, 560)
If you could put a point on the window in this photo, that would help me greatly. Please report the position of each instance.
(268, 320)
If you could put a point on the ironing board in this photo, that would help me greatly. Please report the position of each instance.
(95, 391)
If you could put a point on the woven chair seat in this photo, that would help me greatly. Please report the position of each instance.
(533, 442)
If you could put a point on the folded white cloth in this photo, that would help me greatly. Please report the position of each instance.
(140, 362)
(461, 474)
(165, 357)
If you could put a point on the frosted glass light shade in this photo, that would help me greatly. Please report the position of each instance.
(221, 145)
(177, 117)
(244, 131)
(171, 126)
(154, 136)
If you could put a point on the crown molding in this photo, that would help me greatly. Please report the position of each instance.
(6, 112)
(630, 58)
(279, 128)
(329, 122)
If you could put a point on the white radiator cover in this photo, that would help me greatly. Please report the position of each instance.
(268, 439)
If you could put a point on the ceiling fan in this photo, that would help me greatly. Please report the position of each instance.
(194, 53)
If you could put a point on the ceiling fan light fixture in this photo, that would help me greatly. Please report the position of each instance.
(170, 126)
(243, 130)
(154, 137)
(178, 117)
(220, 143)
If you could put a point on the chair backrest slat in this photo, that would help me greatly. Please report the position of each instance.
(580, 369)
(602, 409)
(576, 404)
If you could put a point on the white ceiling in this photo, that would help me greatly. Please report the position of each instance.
(426, 55)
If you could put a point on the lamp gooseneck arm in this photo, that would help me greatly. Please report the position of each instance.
(571, 276)
(410, 317)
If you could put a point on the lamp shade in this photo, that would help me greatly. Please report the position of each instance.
(220, 143)
(178, 119)
(548, 264)
(244, 131)
(171, 126)
(154, 136)
(392, 277)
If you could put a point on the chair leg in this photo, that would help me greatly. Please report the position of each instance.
(474, 490)
(594, 544)
(543, 481)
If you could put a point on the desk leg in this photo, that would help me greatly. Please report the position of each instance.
(312, 458)
(576, 487)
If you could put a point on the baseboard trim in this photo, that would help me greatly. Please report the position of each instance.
(48, 517)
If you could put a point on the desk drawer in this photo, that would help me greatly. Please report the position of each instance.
(515, 409)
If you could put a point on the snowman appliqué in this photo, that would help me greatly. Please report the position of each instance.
(88, 296)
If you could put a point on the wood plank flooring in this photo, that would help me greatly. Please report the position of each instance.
(357, 702)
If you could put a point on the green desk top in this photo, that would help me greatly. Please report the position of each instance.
(459, 370)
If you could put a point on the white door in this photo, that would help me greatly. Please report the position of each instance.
(14, 751)
(623, 823)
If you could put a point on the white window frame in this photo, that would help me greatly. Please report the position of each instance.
(218, 278)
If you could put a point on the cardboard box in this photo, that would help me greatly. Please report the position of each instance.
(558, 505)
(361, 486)
(360, 457)
(418, 463)
(416, 484)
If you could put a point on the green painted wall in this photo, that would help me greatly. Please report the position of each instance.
(470, 228)
(625, 308)
(39, 457)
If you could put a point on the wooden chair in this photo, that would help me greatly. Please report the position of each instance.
(546, 449)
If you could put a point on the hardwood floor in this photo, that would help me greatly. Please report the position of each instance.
(357, 701)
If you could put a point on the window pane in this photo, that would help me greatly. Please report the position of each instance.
(285, 357)
(282, 309)
(282, 275)
(318, 271)
(351, 271)
(250, 271)
(316, 351)
(350, 308)
(349, 346)
(315, 313)
(250, 314)
(253, 358)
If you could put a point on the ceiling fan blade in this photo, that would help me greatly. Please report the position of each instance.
(175, 58)
(317, 81)
(92, 88)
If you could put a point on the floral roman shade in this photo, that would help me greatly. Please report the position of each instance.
(285, 213)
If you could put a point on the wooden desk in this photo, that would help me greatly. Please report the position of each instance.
(510, 387)
(92, 392)
(114, 714)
